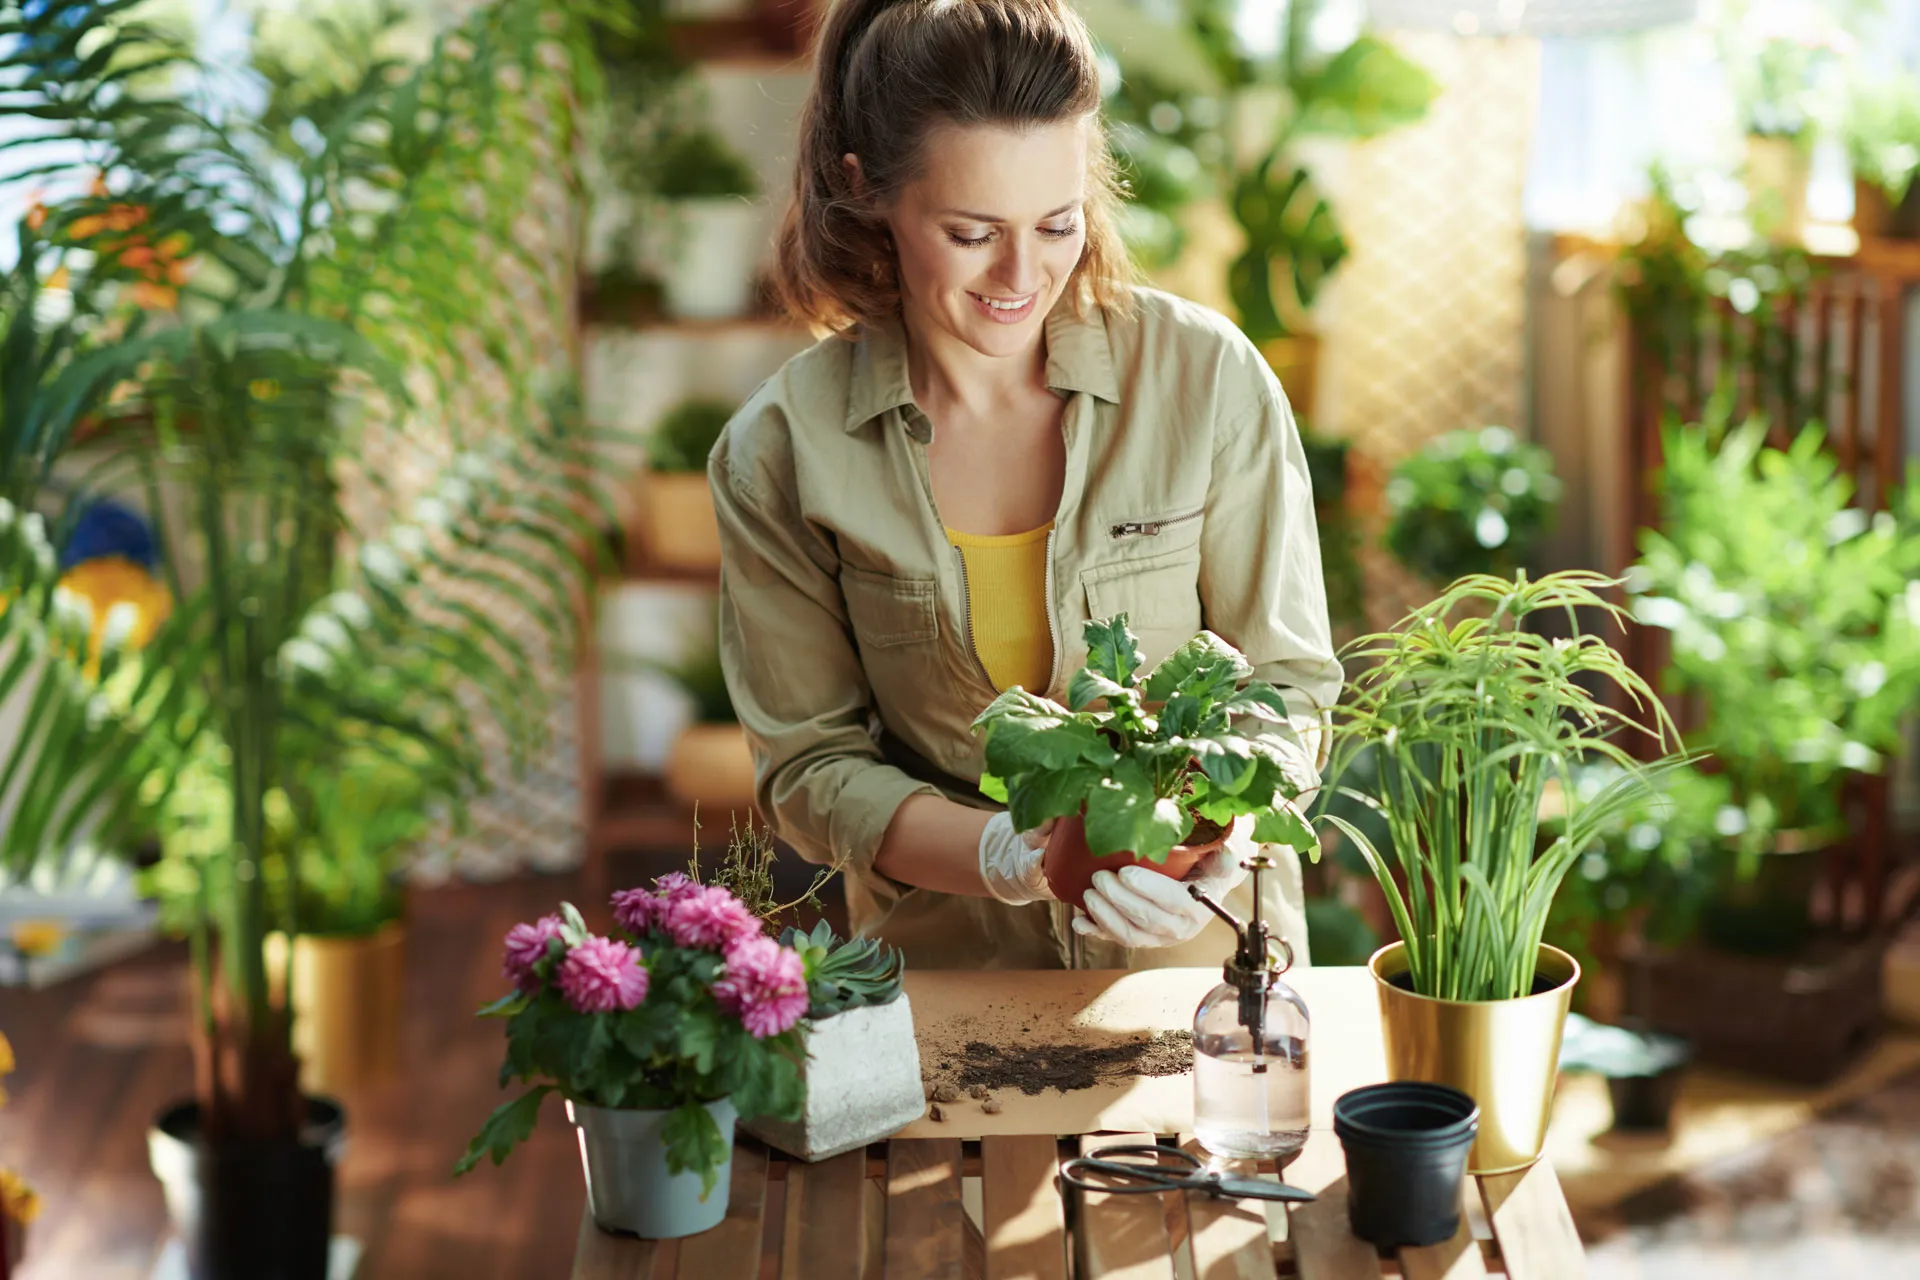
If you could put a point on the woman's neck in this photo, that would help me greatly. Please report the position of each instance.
(945, 373)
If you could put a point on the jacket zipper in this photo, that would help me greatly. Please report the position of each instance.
(1046, 607)
(1148, 528)
(966, 613)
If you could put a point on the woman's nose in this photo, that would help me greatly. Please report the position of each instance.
(1018, 269)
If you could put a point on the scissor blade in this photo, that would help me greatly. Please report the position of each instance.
(1260, 1189)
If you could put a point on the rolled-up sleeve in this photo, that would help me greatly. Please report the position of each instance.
(1261, 586)
(792, 670)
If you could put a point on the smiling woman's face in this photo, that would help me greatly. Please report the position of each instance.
(991, 231)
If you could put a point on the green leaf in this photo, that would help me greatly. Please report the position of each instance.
(573, 929)
(1089, 686)
(1284, 825)
(1366, 89)
(694, 1143)
(1124, 815)
(1020, 744)
(1202, 667)
(505, 1007)
(1260, 700)
(1113, 650)
(993, 788)
(1051, 795)
(510, 1124)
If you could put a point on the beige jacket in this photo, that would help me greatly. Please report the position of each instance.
(844, 614)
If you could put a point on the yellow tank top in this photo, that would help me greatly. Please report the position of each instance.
(1007, 605)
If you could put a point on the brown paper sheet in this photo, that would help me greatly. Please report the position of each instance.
(1098, 1006)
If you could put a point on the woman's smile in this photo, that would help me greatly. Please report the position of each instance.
(1004, 310)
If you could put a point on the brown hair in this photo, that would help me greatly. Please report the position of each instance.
(888, 73)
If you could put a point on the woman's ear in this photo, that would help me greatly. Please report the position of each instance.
(850, 165)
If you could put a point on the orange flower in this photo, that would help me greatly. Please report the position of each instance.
(59, 278)
(137, 256)
(17, 1199)
(99, 186)
(36, 216)
(175, 245)
(125, 217)
(154, 297)
(86, 228)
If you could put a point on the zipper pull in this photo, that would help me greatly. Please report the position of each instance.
(1129, 528)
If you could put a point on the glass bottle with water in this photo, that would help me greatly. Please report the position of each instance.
(1250, 1095)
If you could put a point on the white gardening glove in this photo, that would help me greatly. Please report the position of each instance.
(1139, 907)
(1010, 861)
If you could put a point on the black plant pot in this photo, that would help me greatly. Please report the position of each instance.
(1406, 1145)
(1644, 1104)
(253, 1211)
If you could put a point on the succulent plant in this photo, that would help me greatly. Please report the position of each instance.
(844, 974)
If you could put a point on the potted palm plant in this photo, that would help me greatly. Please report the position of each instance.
(1469, 720)
(678, 528)
(1156, 775)
(233, 367)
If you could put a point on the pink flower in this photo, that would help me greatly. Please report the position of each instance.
(765, 985)
(601, 975)
(675, 885)
(636, 910)
(527, 946)
(709, 917)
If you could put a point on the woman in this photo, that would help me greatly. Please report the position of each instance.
(1003, 439)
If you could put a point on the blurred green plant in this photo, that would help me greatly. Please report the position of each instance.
(1793, 616)
(256, 293)
(1339, 531)
(1882, 131)
(1176, 117)
(686, 435)
(1471, 501)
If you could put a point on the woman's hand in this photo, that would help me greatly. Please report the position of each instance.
(1139, 907)
(1010, 861)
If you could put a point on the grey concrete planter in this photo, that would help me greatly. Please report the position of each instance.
(863, 1084)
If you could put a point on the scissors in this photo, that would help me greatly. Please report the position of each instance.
(1166, 1169)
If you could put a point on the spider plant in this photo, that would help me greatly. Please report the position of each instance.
(1470, 720)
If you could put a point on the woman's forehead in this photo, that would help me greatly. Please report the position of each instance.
(997, 173)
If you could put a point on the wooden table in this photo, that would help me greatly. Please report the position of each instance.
(956, 1200)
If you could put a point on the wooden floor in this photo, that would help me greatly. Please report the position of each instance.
(100, 1055)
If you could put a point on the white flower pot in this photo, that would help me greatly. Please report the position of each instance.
(715, 248)
(863, 1083)
(629, 1188)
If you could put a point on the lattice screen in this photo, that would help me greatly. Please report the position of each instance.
(1429, 329)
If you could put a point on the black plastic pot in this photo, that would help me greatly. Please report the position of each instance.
(1406, 1146)
(1644, 1104)
(252, 1211)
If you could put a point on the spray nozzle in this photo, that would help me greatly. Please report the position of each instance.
(1252, 969)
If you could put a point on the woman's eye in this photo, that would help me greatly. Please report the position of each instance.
(967, 242)
(1061, 233)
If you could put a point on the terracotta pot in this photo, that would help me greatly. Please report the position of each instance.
(711, 767)
(677, 524)
(1069, 864)
(1295, 361)
(1777, 170)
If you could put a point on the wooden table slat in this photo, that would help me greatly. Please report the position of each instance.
(1229, 1237)
(825, 1237)
(600, 1256)
(1025, 1223)
(1532, 1225)
(925, 1221)
(1455, 1259)
(733, 1247)
(1123, 1237)
(1324, 1247)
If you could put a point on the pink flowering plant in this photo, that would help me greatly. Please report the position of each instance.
(688, 1001)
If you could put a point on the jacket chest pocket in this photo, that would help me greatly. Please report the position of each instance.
(887, 612)
(1160, 596)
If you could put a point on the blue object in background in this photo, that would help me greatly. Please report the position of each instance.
(108, 528)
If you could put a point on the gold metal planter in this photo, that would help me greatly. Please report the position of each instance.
(1505, 1054)
(347, 999)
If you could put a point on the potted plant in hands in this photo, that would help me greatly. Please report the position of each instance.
(1157, 774)
(678, 528)
(1470, 719)
(657, 1038)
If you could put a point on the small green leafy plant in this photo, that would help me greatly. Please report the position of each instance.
(684, 438)
(697, 164)
(1472, 501)
(1196, 739)
(1469, 720)
(845, 974)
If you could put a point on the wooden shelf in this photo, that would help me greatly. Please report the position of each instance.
(642, 310)
(738, 41)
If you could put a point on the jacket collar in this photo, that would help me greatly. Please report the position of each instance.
(1079, 358)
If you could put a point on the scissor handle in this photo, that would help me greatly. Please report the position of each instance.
(1134, 1177)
